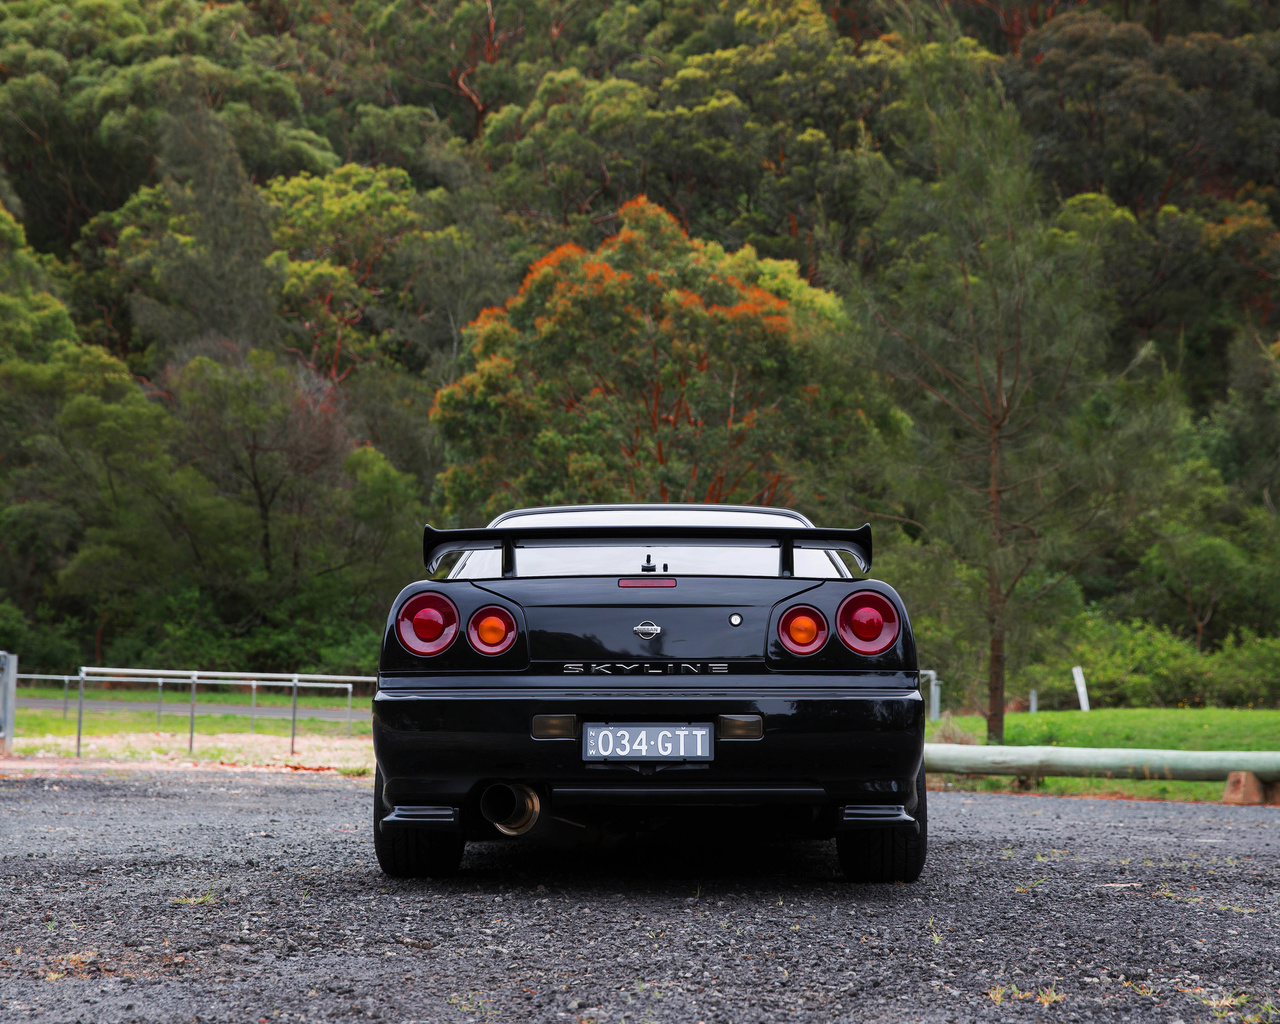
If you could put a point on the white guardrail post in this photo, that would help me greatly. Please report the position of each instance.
(935, 693)
(191, 733)
(1082, 691)
(80, 712)
(8, 701)
(293, 724)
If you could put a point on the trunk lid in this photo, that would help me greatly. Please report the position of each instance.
(595, 619)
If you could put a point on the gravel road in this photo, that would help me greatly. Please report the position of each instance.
(252, 896)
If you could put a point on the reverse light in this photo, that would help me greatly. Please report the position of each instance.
(802, 629)
(427, 623)
(554, 727)
(868, 623)
(740, 727)
(491, 630)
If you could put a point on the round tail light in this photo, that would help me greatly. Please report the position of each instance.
(427, 623)
(802, 629)
(868, 623)
(491, 630)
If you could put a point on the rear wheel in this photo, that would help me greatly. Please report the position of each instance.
(411, 852)
(887, 854)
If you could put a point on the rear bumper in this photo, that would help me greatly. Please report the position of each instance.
(831, 757)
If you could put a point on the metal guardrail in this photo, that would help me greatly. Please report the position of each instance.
(194, 679)
(179, 677)
(8, 700)
(1101, 762)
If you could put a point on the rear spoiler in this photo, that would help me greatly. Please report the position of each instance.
(438, 543)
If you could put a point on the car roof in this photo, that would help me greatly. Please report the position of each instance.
(650, 515)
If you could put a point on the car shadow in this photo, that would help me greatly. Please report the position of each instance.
(612, 859)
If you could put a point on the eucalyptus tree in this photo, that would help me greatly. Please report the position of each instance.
(985, 311)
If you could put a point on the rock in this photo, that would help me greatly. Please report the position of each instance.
(1243, 788)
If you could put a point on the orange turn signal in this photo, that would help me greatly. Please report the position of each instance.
(803, 630)
(491, 630)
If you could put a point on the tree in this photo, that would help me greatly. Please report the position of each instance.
(32, 319)
(86, 90)
(985, 311)
(657, 368)
(747, 144)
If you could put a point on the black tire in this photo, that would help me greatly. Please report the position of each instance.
(412, 852)
(887, 854)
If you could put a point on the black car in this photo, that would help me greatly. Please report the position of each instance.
(644, 666)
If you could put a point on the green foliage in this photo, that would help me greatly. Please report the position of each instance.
(246, 248)
(31, 318)
(1154, 728)
(985, 311)
(1137, 664)
(655, 369)
(752, 144)
(168, 530)
(1184, 133)
(88, 86)
(37, 644)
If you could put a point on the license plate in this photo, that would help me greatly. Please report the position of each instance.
(603, 741)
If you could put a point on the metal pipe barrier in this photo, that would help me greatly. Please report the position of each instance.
(98, 674)
(1101, 762)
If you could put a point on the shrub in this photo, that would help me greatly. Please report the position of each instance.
(1137, 664)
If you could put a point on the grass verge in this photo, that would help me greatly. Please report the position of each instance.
(1128, 789)
(37, 722)
(1159, 728)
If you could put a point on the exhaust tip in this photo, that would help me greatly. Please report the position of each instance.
(512, 808)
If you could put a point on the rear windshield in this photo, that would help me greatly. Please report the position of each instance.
(657, 559)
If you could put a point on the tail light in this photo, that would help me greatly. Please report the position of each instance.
(868, 622)
(491, 630)
(802, 629)
(427, 623)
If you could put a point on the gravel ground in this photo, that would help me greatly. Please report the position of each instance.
(151, 894)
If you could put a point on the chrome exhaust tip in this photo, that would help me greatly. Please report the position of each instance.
(511, 807)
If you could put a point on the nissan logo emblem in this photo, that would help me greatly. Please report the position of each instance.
(646, 630)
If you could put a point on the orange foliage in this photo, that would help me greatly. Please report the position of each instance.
(553, 259)
(688, 298)
(489, 315)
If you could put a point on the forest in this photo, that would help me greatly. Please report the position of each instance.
(281, 280)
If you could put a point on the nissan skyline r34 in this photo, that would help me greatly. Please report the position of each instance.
(641, 666)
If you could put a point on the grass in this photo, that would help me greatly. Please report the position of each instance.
(1160, 728)
(181, 694)
(1136, 789)
(1188, 728)
(31, 722)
